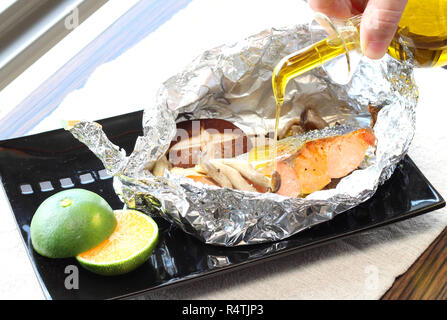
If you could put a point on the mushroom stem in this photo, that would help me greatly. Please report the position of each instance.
(160, 167)
(214, 173)
(247, 170)
(234, 176)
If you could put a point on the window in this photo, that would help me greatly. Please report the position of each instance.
(29, 28)
(5, 4)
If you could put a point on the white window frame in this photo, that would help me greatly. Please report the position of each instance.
(29, 28)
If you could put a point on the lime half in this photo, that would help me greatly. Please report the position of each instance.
(71, 222)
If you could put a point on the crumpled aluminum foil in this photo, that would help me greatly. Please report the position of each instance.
(233, 82)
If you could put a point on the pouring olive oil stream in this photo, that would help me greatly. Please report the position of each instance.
(421, 38)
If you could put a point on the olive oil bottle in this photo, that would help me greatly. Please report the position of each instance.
(422, 29)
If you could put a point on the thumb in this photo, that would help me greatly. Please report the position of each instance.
(379, 24)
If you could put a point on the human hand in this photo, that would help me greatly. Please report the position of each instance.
(379, 22)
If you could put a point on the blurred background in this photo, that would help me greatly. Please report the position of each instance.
(48, 49)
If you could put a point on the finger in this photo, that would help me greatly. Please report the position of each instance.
(379, 25)
(332, 8)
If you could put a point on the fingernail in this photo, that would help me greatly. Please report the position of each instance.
(374, 49)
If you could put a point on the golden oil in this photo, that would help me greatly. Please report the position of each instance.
(297, 64)
(423, 29)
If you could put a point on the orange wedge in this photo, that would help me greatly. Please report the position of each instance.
(129, 246)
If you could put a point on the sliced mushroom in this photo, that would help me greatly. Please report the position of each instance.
(182, 171)
(312, 120)
(236, 179)
(286, 131)
(161, 166)
(247, 170)
(276, 182)
(297, 129)
(374, 111)
(215, 174)
(194, 135)
(150, 166)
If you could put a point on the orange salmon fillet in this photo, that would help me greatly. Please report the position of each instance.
(319, 161)
(311, 167)
(203, 179)
(345, 153)
(290, 186)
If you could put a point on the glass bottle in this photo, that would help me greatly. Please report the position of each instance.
(421, 37)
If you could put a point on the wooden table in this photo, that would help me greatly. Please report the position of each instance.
(427, 277)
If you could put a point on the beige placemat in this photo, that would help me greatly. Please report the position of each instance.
(362, 267)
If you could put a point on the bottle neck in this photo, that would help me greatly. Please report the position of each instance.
(340, 52)
(349, 32)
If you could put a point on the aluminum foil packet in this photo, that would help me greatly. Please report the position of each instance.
(233, 82)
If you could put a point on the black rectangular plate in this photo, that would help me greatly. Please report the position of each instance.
(49, 157)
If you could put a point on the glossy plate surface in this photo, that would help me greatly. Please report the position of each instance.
(36, 167)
